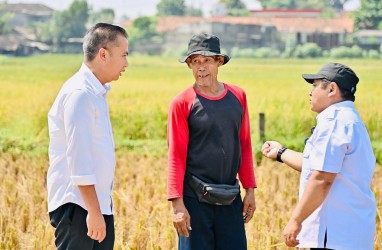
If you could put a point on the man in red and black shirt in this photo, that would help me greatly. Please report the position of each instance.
(209, 138)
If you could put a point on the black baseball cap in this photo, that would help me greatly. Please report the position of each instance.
(205, 45)
(338, 73)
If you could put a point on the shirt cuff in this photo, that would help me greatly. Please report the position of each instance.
(83, 180)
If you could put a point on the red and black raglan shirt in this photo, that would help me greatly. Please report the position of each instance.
(210, 137)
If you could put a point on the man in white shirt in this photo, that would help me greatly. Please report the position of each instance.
(336, 208)
(81, 150)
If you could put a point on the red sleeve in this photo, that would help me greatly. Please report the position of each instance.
(177, 141)
(246, 171)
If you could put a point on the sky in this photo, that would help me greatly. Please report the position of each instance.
(137, 8)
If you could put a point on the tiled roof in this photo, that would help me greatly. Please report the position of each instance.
(172, 22)
(35, 9)
(287, 11)
(286, 24)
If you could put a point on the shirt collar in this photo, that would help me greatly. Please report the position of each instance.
(329, 112)
(97, 87)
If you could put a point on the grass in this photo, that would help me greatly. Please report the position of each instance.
(138, 105)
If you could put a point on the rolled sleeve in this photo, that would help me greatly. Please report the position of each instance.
(330, 146)
(83, 180)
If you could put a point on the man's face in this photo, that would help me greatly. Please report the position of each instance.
(205, 69)
(117, 58)
(319, 96)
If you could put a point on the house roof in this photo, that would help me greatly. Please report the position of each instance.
(10, 42)
(172, 22)
(30, 9)
(13, 42)
(288, 11)
(282, 24)
(25, 32)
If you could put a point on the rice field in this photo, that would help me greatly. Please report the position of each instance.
(138, 105)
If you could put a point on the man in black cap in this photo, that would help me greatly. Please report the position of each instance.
(209, 144)
(336, 208)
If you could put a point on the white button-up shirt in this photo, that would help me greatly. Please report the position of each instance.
(81, 149)
(340, 144)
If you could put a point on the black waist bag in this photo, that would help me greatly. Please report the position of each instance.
(214, 194)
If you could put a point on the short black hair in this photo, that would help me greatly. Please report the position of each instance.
(345, 93)
(98, 37)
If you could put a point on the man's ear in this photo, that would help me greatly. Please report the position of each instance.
(102, 54)
(188, 61)
(221, 60)
(333, 88)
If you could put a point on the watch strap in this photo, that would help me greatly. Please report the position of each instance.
(279, 153)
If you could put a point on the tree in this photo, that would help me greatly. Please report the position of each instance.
(143, 30)
(235, 8)
(338, 5)
(43, 32)
(3, 22)
(71, 22)
(369, 16)
(233, 4)
(106, 15)
(171, 8)
(278, 4)
(191, 11)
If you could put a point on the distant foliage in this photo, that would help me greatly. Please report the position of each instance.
(233, 4)
(369, 16)
(346, 52)
(264, 52)
(177, 8)
(305, 4)
(307, 50)
(171, 8)
(191, 11)
(373, 54)
(235, 8)
(104, 15)
(143, 30)
(3, 21)
(71, 22)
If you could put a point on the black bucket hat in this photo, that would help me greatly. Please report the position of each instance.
(338, 73)
(205, 45)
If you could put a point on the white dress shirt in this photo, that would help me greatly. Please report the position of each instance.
(81, 149)
(340, 144)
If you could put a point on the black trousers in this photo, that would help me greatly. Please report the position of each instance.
(71, 229)
(214, 227)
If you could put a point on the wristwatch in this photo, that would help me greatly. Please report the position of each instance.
(279, 153)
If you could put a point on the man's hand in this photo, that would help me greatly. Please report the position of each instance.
(94, 220)
(96, 226)
(270, 149)
(291, 231)
(182, 219)
(249, 205)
